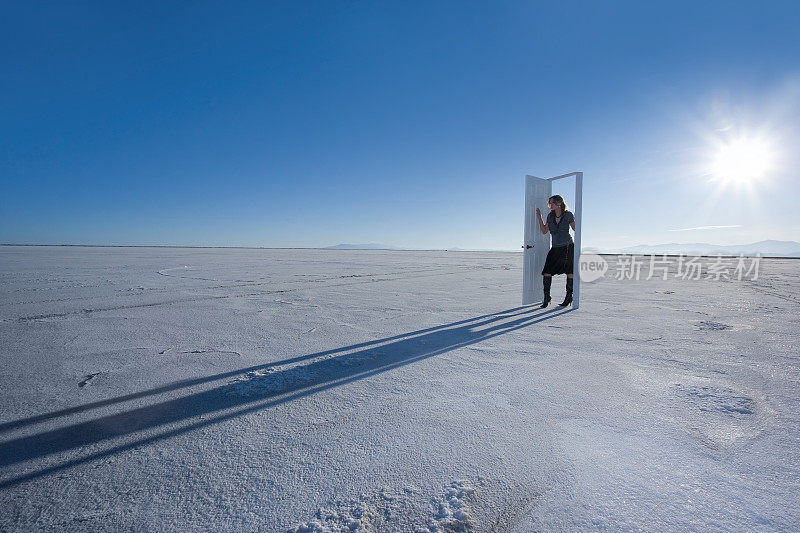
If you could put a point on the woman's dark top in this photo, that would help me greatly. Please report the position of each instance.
(560, 230)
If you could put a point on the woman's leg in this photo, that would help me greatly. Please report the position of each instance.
(547, 282)
(568, 298)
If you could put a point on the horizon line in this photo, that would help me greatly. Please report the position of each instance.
(334, 249)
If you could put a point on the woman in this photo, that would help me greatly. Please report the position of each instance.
(559, 258)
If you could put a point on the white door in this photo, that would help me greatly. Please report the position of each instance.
(537, 244)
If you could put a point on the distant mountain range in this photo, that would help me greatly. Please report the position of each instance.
(765, 248)
(378, 246)
(770, 248)
(368, 246)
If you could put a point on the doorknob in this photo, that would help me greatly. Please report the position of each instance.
(527, 246)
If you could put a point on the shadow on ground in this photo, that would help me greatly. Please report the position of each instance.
(257, 387)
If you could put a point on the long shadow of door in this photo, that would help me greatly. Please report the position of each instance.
(260, 388)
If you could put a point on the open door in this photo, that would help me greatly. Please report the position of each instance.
(536, 244)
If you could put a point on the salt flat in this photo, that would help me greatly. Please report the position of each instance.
(326, 390)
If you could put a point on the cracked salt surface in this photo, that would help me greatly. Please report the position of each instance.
(272, 390)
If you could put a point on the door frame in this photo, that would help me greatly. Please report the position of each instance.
(535, 248)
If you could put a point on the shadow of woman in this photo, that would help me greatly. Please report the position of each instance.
(186, 383)
(266, 387)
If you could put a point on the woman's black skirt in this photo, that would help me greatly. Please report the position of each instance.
(559, 260)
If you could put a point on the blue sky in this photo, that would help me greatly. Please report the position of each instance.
(406, 123)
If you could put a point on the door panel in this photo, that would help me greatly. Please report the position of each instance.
(536, 244)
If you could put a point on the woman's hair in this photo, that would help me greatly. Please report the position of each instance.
(558, 200)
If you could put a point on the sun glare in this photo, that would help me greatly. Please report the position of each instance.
(741, 162)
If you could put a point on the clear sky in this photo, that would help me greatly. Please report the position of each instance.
(405, 123)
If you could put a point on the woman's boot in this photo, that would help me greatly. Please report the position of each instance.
(548, 280)
(568, 299)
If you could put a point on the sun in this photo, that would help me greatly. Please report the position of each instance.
(742, 162)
